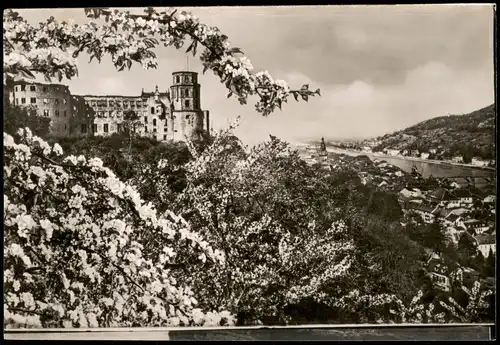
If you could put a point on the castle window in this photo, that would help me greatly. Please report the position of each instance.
(46, 112)
(23, 87)
(186, 79)
(164, 137)
(23, 100)
(32, 88)
(145, 119)
(17, 100)
(33, 100)
(95, 128)
(106, 128)
(145, 129)
(57, 113)
(16, 88)
(177, 79)
(154, 122)
(152, 110)
(57, 100)
(154, 130)
(187, 103)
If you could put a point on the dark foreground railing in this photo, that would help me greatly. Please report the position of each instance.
(308, 332)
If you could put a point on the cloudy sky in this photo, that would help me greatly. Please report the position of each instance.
(379, 68)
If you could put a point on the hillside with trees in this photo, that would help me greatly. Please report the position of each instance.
(469, 135)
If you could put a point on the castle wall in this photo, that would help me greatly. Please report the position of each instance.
(51, 100)
(164, 116)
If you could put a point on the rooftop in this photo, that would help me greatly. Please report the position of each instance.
(184, 72)
(30, 82)
(486, 239)
(462, 193)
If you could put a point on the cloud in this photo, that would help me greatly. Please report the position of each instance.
(363, 109)
(379, 68)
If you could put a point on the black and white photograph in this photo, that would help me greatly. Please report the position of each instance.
(328, 169)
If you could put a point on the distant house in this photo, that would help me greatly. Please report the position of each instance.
(478, 161)
(470, 274)
(393, 152)
(457, 276)
(414, 153)
(405, 152)
(462, 197)
(437, 273)
(490, 199)
(453, 204)
(458, 159)
(433, 151)
(455, 220)
(424, 155)
(485, 243)
(476, 226)
(440, 194)
(425, 211)
(383, 183)
(417, 193)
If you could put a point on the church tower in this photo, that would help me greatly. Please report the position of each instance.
(188, 117)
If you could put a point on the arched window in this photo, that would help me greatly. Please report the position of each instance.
(152, 110)
(187, 103)
(177, 79)
(154, 122)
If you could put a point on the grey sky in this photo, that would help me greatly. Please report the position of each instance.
(380, 68)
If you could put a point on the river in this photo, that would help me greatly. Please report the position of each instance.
(425, 167)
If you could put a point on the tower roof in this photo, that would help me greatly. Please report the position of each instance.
(184, 72)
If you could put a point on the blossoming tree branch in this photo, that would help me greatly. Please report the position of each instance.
(52, 49)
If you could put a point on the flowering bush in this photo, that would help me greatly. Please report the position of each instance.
(81, 249)
(52, 48)
(475, 308)
(251, 204)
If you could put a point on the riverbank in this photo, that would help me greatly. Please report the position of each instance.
(414, 159)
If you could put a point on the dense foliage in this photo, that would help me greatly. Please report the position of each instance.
(470, 135)
(15, 117)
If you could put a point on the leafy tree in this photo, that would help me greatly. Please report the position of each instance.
(489, 268)
(466, 247)
(385, 205)
(15, 117)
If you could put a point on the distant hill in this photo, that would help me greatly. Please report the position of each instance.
(467, 135)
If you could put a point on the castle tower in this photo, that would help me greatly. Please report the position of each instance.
(188, 117)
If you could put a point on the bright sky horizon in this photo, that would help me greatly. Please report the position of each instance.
(379, 68)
